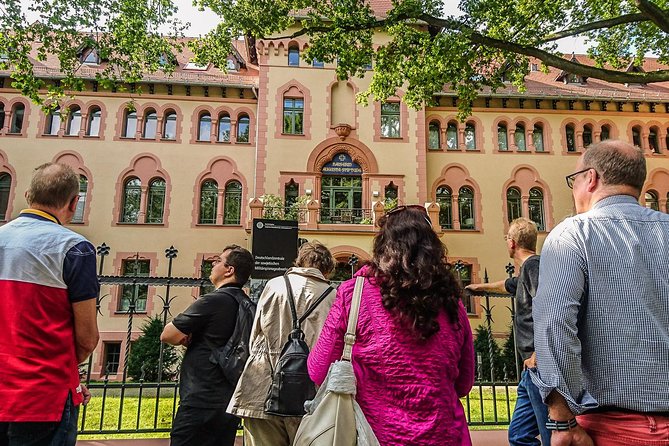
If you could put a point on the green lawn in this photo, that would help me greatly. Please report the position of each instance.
(136, 418)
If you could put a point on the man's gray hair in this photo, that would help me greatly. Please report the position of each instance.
(53, 185)
(617, 163)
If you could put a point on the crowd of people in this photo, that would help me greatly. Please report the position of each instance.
(591, 325)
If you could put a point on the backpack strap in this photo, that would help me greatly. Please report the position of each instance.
(291, 301)
(314, 304)
(349, 337)
(237, 299)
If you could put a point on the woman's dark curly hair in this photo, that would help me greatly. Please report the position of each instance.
(409, 264)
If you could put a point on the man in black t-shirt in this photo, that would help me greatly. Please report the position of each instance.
(208, 323)
(530, 415)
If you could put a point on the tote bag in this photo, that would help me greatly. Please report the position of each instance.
(333, 417)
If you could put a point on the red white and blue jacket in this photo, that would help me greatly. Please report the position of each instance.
(44, 268)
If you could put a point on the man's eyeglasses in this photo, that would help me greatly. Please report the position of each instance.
(571, 177)
(216, 261)
(410, 206)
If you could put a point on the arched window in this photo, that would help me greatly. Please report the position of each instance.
(170, 125)
(243, 128)
(5, 185)
(470, 136)
(536, 205)
(571, 138)
(502, 137)
(587, 135)
(444, 199)
(2, 115)
(652, 201)
(73, 122)
(434, 136)
(606, 133)
(293, 116)
(636, 136)
(208, 202)
(654, 140)
(81, 204)
(156, 204)
(452, 136)
(293, 56)
(224, 128)
(16, 126)
(290, 193)
(233, 203)
(390, 193)
(52, 122)
(513, 204)
(130, 124)
(132, 198)
(466, 208)
(538, 138)
(150, 125)
(204, 127)
(519, 137)
(94, 117)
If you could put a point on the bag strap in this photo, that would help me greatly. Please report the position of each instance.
(291, 301)
(314, 304)
(349, 337)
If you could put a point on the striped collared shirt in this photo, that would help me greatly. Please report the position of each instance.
(601, 314)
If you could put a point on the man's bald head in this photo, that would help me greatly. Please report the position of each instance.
(618, 163)
(53, 186)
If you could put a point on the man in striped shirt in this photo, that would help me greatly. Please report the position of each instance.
(601, 314)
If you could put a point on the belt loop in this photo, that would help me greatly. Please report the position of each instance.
(652, 424)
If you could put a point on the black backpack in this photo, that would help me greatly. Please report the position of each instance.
(232, 356)
(291, 385)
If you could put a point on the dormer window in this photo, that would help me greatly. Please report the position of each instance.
(90, 57)
(534, 67)
(164, 60)
(230, 65)
(196, 67)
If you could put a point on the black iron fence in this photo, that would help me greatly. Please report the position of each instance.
(146, 401)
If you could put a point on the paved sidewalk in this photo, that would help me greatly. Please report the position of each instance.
(479, 438)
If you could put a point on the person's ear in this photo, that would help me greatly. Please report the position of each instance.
(72, 205)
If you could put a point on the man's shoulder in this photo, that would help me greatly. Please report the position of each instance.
(232, 294)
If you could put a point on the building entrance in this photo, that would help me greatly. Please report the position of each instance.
(341, 199)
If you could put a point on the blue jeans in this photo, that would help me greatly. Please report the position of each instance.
(57, 433)
(529, 417)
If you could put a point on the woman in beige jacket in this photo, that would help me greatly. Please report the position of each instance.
(272, 325)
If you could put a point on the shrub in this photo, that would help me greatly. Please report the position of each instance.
(145, 353)
(487, 352)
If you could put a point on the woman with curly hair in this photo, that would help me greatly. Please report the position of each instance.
(413, 355)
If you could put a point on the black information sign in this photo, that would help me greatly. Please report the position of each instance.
(274, 247)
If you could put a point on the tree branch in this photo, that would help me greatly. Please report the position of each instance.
(601, 24)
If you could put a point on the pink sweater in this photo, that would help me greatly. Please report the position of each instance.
(407, 389)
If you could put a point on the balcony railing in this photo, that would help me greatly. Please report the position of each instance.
(355, 216)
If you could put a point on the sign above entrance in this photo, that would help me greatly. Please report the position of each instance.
(342, 164)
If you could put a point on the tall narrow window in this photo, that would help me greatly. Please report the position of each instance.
(466, 208)
(293, 116)
(470, 136)
(243, 128)
(205, 272)
(2, 115)
(150, 125)
(73, 122)
(519, 137)
(434, 136)
(502, 137)
(94, 117)
(134, 293)
(204, 127)
(130, 124)
(290, 193)
(233, 203)
(5, 185)
(390, 193)
(606, 133)
(571, 138)
(465, 276)
(652, 201)
(636, 136)
(587, 135)
(81, 204)
(293, 56)
(513, 204)
(390, 120)
(444, 200)
(112, 358)
(208, 202)
(653, 140)
(224, 128)
(536, 204)
(452, 136)
(538, 138)
(132, 198)
(170, 125)
(16, 126)
(156, 204)
(52, 122)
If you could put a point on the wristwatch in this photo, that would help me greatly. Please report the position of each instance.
(568, 425)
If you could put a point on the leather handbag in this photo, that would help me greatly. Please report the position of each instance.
(334, 418)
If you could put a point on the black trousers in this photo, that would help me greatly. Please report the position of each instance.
(198, 426)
